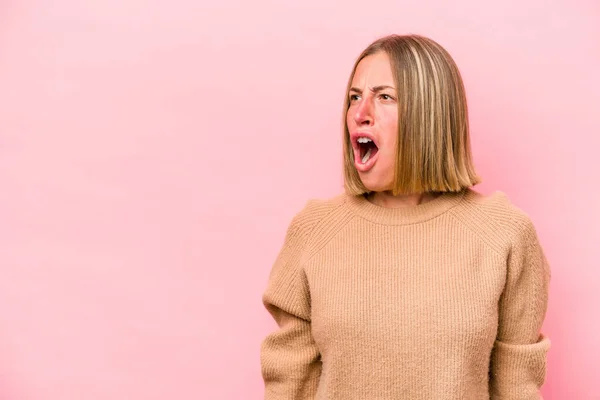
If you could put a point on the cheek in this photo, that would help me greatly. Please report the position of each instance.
(349, 119)
(390, 134)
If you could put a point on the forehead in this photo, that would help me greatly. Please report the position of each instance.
(374, 70)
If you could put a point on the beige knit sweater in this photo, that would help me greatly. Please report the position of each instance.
(442, 300)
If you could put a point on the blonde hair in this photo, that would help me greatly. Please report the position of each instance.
(433, 153)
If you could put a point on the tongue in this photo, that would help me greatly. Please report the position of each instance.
(366, 156)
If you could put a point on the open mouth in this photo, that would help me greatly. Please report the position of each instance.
(367, 149)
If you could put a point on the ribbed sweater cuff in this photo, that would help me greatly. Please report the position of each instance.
(518, 370)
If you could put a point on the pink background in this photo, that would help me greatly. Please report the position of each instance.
(152, 154)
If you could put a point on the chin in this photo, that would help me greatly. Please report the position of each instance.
(374, 185)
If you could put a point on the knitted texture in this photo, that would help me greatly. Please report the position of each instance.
(442, 300)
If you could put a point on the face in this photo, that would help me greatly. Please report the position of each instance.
(373, 122)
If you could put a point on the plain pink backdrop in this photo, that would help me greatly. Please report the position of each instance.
(153, 153)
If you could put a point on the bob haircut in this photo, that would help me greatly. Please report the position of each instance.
(433, 153)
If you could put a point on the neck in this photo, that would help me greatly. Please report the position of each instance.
(388, 200)
(396, 210)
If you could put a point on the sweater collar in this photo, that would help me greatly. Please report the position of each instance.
(407, 214)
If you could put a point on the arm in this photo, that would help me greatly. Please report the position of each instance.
(518, 360)
(290, 360)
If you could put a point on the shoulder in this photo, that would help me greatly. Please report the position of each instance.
(319, 216)
(315, 209)
(496, 216)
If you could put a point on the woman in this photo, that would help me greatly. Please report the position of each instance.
(410, 285)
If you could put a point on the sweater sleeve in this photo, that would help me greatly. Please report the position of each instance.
(290, 360)
(518, 360)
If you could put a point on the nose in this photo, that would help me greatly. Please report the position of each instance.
(363, 114)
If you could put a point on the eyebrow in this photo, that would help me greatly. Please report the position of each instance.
(373, 89)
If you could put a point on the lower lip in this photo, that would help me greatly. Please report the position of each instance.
(366, 166)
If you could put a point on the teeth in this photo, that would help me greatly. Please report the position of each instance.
(364, 140)
(366, 156)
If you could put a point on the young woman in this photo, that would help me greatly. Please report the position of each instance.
(410, 284)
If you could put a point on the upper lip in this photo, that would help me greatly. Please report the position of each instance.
(358, 134)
